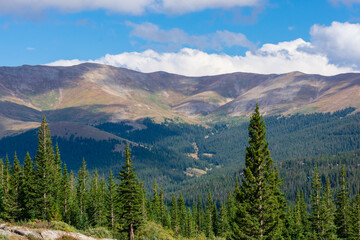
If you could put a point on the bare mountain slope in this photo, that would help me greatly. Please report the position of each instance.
(91, 93)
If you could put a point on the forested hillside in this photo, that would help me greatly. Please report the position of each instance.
(165, 151)
(326, 206)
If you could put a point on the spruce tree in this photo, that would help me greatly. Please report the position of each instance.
(15, 189)
(174, 214)
(27, 195)
(342, 214)
(162, 207)
(6, 214)
(355, 218)
(65, 195)
(328, 228)
(82, 196)
(57, 182)
(223, 226)
(155, 204)
(2, 196)
(129, 195)
(258, 202)
(199, 216)
(316, 218)
(96, 206)
(44, 177)
(208, 226)
(182, 215)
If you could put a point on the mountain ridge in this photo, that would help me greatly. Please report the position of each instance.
(91, 93)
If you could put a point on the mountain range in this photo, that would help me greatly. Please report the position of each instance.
(93, 93)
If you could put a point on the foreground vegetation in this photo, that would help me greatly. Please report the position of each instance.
(255, 209)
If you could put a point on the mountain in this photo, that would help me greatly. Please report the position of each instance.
(93, 93)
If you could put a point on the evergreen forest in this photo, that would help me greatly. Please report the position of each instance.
(309, 195)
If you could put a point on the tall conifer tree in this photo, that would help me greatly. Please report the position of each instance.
(355, 218)
(82, 195)
(129, 194)
(259, 210)
(15, 189)
(174, 214)
(342, 214)
(44, 178)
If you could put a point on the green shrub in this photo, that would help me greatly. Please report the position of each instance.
(3, 237)
(153, 231)
(99, 232)
(56, 225)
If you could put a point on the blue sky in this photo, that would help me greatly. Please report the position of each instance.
(191, 37)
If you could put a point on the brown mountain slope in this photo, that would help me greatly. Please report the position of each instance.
(91, 93)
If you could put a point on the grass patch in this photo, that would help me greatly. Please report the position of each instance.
(3, 237)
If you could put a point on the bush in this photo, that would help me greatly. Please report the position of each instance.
(153, 231)
(56, 225)
(3, 237)
(99, 232)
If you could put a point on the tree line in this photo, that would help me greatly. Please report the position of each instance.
(256, 209)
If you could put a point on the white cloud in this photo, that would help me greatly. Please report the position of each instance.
(270, 58)
(217, 40)
(339, 42)
(121, 6)
(333, 49)
(30, 48)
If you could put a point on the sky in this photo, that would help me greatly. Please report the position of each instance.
(188, 37)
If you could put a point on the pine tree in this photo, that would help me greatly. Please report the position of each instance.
(342, 214)
(355, 218)
(73, 213)
(298, 218)
(174, 215)
(316, 207)
(155, 204)
(258, 202)
(111, 201)
(328, 226)
(199, 216)
(44, 178)
(65, 195)
(162, 207)
(6, 214)
(208, 227)
(28, 189)
(2, 194)
(96, 201)
(57, 182)
(129, 194)
(182, 215)
(82, 196)
(223, 226)
(215, 220)
(15, 189)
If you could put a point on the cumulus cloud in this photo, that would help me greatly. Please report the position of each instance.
(270, 58)
(122, 6)
(217, 41)
(339, 42)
